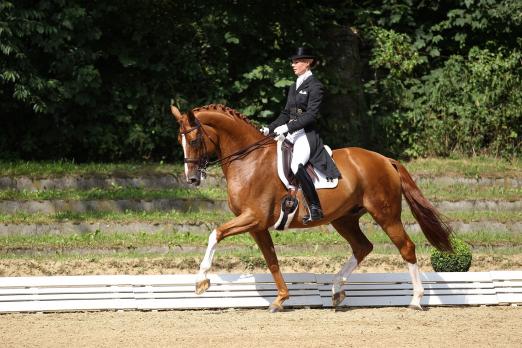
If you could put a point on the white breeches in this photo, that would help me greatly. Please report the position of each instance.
(301, 153)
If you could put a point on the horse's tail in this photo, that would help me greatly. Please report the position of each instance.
(431, 223)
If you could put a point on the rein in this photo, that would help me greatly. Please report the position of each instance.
(203, 161)
(243, 152)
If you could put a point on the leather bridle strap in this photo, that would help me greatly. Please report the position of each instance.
(203, 161)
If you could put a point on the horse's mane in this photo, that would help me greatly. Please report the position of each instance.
(225, 109)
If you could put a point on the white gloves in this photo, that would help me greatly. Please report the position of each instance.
(265, 131)
(281, 130)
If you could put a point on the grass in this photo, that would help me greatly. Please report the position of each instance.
(293, 243)
(174, 217)
(216, 217)
(61, 168)
(430, 189)
(473, 167)
(246, 255)
(114, 194)
(301, 240)
(457, 192)
(468, 167)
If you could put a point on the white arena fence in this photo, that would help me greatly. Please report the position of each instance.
(307, 290)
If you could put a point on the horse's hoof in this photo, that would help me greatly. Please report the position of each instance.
(338, 298)
(274, 308)
(202, 286)
(416, 307)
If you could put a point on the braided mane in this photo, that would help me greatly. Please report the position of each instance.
(227, 110)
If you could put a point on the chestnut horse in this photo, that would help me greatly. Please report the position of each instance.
(370, 183)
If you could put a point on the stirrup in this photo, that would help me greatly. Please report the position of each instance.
(316, 214)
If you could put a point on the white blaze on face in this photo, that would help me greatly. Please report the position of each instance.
(184, 144)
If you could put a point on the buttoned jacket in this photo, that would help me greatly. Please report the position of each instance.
(301, 112)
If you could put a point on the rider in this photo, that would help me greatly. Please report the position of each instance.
(297, 121)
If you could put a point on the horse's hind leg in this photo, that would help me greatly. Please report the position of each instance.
(348, 227)
(265, 243)
(395, 230)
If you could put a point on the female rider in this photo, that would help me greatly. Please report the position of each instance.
(297, 121)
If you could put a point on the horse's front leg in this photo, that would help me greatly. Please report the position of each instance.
(239, 224)
(265, 243)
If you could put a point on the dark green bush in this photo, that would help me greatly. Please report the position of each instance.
(458, 261)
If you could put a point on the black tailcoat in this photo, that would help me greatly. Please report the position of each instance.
(302, 111)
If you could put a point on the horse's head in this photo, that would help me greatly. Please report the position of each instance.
(196, 143)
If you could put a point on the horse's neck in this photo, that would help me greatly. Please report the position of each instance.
(234, 134)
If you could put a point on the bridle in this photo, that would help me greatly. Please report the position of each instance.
(201, 147)
(202, 159)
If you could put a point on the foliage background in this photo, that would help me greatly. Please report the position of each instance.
(92, 81)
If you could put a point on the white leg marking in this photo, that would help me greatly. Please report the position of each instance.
(207, 259)
(418, 290)
(343, 274)
(184, 144)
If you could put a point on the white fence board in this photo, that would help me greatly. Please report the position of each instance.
(181, 279)
(429, 292)
(432, 277)
(244, 302)
(507, 283)
(506, 275)
(409, 286)
(52, 306)
(151, 294)
(146, 288)
(128, 304)
(390, 301)
(131, 292)
(509, 298)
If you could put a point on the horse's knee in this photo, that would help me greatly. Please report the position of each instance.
(219, 236)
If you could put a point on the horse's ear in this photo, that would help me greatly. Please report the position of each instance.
(175, 113)
(191, 117)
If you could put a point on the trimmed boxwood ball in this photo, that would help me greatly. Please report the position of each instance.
(458, 261)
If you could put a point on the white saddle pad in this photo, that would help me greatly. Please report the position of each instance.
(319, 184)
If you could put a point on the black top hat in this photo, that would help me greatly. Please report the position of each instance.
(303, 52)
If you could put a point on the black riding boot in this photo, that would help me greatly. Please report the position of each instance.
(310, 194)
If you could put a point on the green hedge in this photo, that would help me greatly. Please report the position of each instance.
(458, 261)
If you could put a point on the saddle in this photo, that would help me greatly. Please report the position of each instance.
(289, 203)
(284, 159)
(287, 150)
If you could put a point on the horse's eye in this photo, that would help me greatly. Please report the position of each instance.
(195, 142)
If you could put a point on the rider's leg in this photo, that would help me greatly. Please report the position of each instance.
(300, 157)
(307, 185)
(301, 153)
